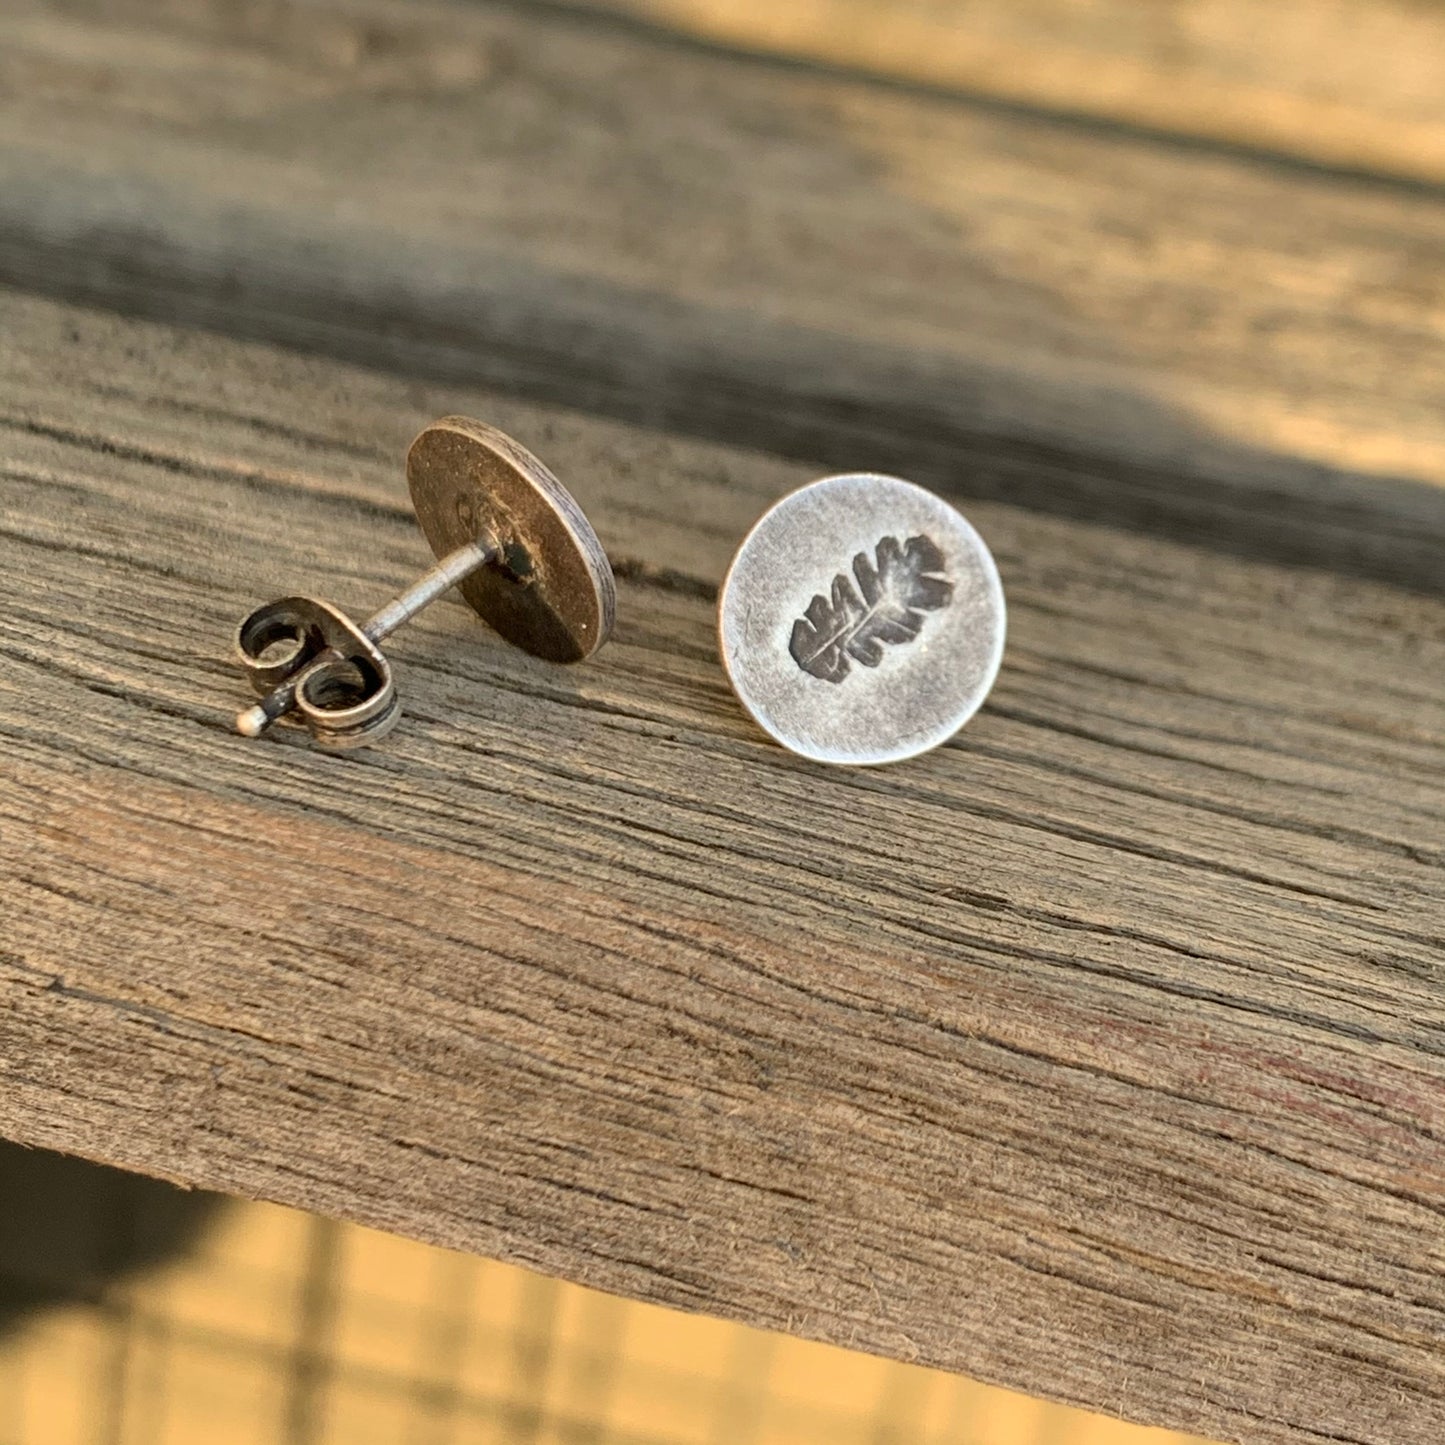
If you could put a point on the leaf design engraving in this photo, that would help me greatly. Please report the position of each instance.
(882, 602)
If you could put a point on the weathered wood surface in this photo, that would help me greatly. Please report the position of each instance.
(1100, 325)
(1345, 83)
(1098, 1053)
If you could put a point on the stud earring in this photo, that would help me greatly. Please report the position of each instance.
(504, 530)
(862, 620)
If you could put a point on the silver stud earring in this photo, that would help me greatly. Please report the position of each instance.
(505, 531)
(862, 620)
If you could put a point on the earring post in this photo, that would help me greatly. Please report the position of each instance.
(453, 568)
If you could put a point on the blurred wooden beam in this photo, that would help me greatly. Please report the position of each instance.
(1100, 325)
(1350, 84)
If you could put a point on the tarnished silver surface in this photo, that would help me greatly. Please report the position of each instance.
(304, 655)
(862, 620)
(309, 658)
(505, 531)
(551, 591)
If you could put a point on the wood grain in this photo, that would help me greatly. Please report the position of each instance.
(1338, 83)
(1097, 1053)
(1104, 326)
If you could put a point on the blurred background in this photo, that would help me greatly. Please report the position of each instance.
(136, 1313)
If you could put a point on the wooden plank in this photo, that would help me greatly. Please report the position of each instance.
(1097, 1053)
(1101, 326)
(1085, 1055)
(1340, 83)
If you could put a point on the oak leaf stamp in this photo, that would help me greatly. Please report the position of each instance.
(884, 602)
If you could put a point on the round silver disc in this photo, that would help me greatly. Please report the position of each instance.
(862, 620)
(552, 591)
